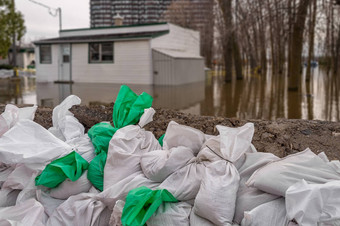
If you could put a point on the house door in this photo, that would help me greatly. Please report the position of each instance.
(65, 63)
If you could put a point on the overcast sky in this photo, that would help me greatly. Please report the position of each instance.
(40, 24)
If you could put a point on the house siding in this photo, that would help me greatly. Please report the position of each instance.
(177, 71)
(132, 64)
(47, 72)
(180, 39)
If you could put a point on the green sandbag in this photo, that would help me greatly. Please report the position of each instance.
(70, 166)
(160, 140)
(100, 135)
(127, 110)
(141, 203)
(129, 107)
(95, 174)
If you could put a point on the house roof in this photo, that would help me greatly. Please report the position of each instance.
(177, 53)
(103, 37)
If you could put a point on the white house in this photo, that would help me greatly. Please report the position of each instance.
(160, 54)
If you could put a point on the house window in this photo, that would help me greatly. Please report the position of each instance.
(101, 52)
(45, 54)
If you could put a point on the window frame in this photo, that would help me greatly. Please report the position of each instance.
(100, 61)
(40, 58)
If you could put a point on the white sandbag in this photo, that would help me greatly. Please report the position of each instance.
(147, 117)
(126, 147)
(199, 221)
(8, 197)
(234, 142)
(171, 214)
(5, 171)
(13, 114)
(210, 150)
(29, 213)
(85, 208)
(310, 204)
(116, 216)
(49, 203)
(104, 218)
(65, 125)
(120, 190)
(276, 177)
(21, 175)
(83, 146)
(28, 142)
(248, 197)
(216, 198)
(69, 188)
(180, 135)
(268, 214)
(185, 182)
(78, 210)
(158, 165)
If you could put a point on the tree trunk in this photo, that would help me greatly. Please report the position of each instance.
(296, 45)
(237, 60)
(226, 7)
(311, 38)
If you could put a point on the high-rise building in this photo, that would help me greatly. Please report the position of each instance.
(133, 11)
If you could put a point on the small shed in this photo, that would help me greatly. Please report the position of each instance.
(161, 54)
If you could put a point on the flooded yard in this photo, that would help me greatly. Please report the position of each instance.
(254, 97)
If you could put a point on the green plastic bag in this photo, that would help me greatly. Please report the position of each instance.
(160, 140)
(127, 110)
(141, 203)
(70, 166)
(95, 174)
(100, 135)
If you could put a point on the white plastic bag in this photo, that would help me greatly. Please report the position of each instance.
(28, 142)
(158, 165)
(268, 214)
(171, 214)
(13, 114)
(126, 147)
(180, 135)
(276, 177)
(69, 188)
(29, 213)
(310, 204)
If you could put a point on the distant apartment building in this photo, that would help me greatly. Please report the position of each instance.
(102, 12)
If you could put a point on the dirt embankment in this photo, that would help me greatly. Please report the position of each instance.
(281, 137)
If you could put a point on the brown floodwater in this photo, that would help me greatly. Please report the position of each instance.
(254, 97)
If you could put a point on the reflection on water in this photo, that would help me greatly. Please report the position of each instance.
(18, 91)
(255, 97)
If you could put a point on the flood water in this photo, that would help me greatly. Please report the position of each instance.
(254, 97)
